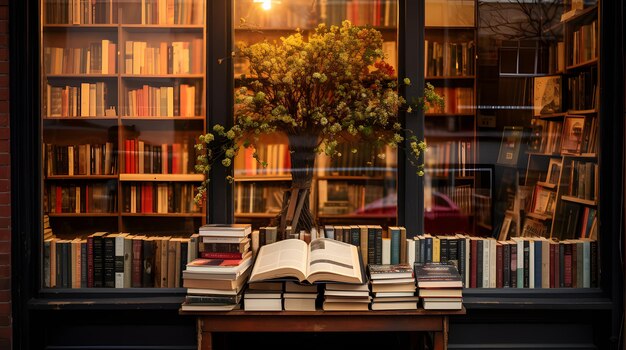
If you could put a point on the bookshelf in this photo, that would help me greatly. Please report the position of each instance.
(349, 190)
(123, 100)
(562, 158)
(453, 179)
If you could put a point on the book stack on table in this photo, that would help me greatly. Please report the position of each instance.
(346, 297)
(440, 286)
(392, 287)
(300, 296)
(216, 279)
(263, 296)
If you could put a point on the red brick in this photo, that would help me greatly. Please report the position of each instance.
(5, 333)
(4, 321)
(4, 146)
(4, 92)
(5, 159)
(4, 40)
(5, 247)
(4, 12)
(5, 234)
(4, 27)
(5, 259)
(5, 223)
(5, 171)
(4, 185)
(5, 283)
(4, 133)
(5, 211)
(5, 296)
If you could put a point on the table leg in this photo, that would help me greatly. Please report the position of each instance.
(440, 341)
(205, 339)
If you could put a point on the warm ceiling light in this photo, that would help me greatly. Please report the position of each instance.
(266, 4)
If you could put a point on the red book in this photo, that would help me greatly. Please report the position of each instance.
(499, 266)
(137, 262)
(126, 156)
(557, 266)
(59, 198)
(473, 257)
(567, 268)
(176, 166)
(135, 156)
(220, 255)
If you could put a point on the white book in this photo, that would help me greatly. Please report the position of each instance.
(520, 261)
(486, 262)
(492, 263)
(386, 251)
(410, 251)
(119, 260)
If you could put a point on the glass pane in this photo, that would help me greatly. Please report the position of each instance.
(517, 172)
(356, 188)
(123, 103)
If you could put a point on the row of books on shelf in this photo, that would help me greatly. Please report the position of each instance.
(276, 155)
(449, 59)
(97, 58)
(143, 157)
(461, 196)
(577, 134)
(585, 43)
(87, 159)
(254, 197)
(458, 100)
(575, 221)
(556, 57)
(117, 260)
(358, 159)
(80, 198)
(77, 11)
(360, 13)
(170, 12)
(182, 100)
(442, 156)
(345, 197)
(81, 100)
(582, 180)
(178, 57)
(582, 90)
(521, 262)
(151, 197)
(164, 12)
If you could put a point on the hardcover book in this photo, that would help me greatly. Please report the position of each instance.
(321, 260)
(437, 275)
(390, 271)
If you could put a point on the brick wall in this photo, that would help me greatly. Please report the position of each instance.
(5, 187)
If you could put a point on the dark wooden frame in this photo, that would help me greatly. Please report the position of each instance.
(29, 301)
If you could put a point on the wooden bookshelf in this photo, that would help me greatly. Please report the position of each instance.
(97, 142)
(577, 172)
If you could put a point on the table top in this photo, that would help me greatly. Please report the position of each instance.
(322, 313)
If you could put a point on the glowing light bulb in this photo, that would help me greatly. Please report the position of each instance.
(266, 5)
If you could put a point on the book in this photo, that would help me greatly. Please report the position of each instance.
(434, 275)
(220, 265)
(321, 260)
(225, 230)
(442, 305)
(390, 271)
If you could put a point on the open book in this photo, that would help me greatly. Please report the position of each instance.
(321, 260)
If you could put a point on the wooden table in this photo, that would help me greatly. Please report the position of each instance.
(324, 321)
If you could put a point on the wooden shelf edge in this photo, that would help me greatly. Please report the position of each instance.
(81, 177)
(590, 62)
(262, 178)
(168, 215)
(162, 177)
(539, 216)
(579, 200)
(546, 184)
(163, 118)
(81, 215)
(582, 111)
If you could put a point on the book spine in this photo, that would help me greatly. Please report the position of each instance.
(395, 246)
(513, 266)
(506, 265)
(137, 262)
(526, 263)
(552, 266)
(220, 255)
(561, 265)
(594, 264)
(119, 262)
(98, 262)
(443, 252)
(109, 262)
(538, 276)
(428, 250)
(128, 249)
(378, 236)
(567, 268)
(499, 265)
(461, 259)
(371, 246)
(83, 265)
(148, 264)
(479, 263)
(90, 267)
(473, 262)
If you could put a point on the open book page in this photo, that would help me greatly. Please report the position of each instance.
(287, 258)
(331, 260)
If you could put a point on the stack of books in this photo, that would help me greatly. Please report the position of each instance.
(346, 297)
(300, 296)
(263, 296)
(392, 287)
(440, 286)
(216, 279)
